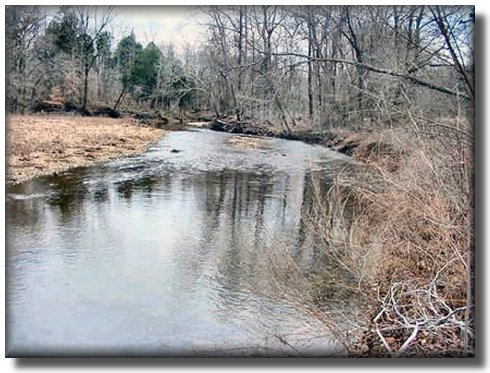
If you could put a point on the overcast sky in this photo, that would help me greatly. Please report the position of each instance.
(161, 24)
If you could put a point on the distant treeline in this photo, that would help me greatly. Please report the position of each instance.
(324, 65)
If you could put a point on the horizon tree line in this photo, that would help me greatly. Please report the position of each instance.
(288, 66)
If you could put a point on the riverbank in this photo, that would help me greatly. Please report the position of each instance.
(399, 223)
(40, 145)
(340, 140)
(404, 231)
(268, 130)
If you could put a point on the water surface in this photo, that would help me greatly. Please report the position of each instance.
(172, 252)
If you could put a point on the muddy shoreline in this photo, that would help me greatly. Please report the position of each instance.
(340, 141)
(40, 145)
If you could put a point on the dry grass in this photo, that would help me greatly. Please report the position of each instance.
(401, 224)
(42, 145)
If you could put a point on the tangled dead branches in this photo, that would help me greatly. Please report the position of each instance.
(410, 314)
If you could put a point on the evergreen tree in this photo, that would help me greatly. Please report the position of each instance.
(139, 68)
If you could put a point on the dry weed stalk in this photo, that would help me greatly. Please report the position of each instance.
(401, 225)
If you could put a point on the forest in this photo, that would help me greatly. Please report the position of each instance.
(329, 66)
(393, 87)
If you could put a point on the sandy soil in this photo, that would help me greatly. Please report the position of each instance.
(48, 144)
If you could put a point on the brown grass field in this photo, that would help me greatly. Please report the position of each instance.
(48, 144)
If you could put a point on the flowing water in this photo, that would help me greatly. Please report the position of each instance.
(175, 252)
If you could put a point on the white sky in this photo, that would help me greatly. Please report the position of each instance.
(161, 24)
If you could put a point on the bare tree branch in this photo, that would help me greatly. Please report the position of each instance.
(379, 70)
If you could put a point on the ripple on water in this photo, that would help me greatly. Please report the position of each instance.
(167, 249)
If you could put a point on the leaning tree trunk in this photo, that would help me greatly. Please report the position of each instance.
(119, 99)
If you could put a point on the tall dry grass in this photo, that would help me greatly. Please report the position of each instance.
(401, 223)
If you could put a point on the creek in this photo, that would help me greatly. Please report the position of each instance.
(174, 252)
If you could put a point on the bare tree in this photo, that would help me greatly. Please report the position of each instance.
(92, 22)
(24, 25)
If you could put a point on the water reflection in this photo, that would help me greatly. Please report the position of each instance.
(100, 193)
(175, 250)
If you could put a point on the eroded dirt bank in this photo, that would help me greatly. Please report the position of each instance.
(47, 144)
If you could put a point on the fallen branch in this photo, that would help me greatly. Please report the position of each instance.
(396, 314)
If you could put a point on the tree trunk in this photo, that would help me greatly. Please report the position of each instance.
(119, 99)
(85, 88)
(310, 67)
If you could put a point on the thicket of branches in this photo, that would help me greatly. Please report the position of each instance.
(340, 64)
(71, 56)
(322, 65)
